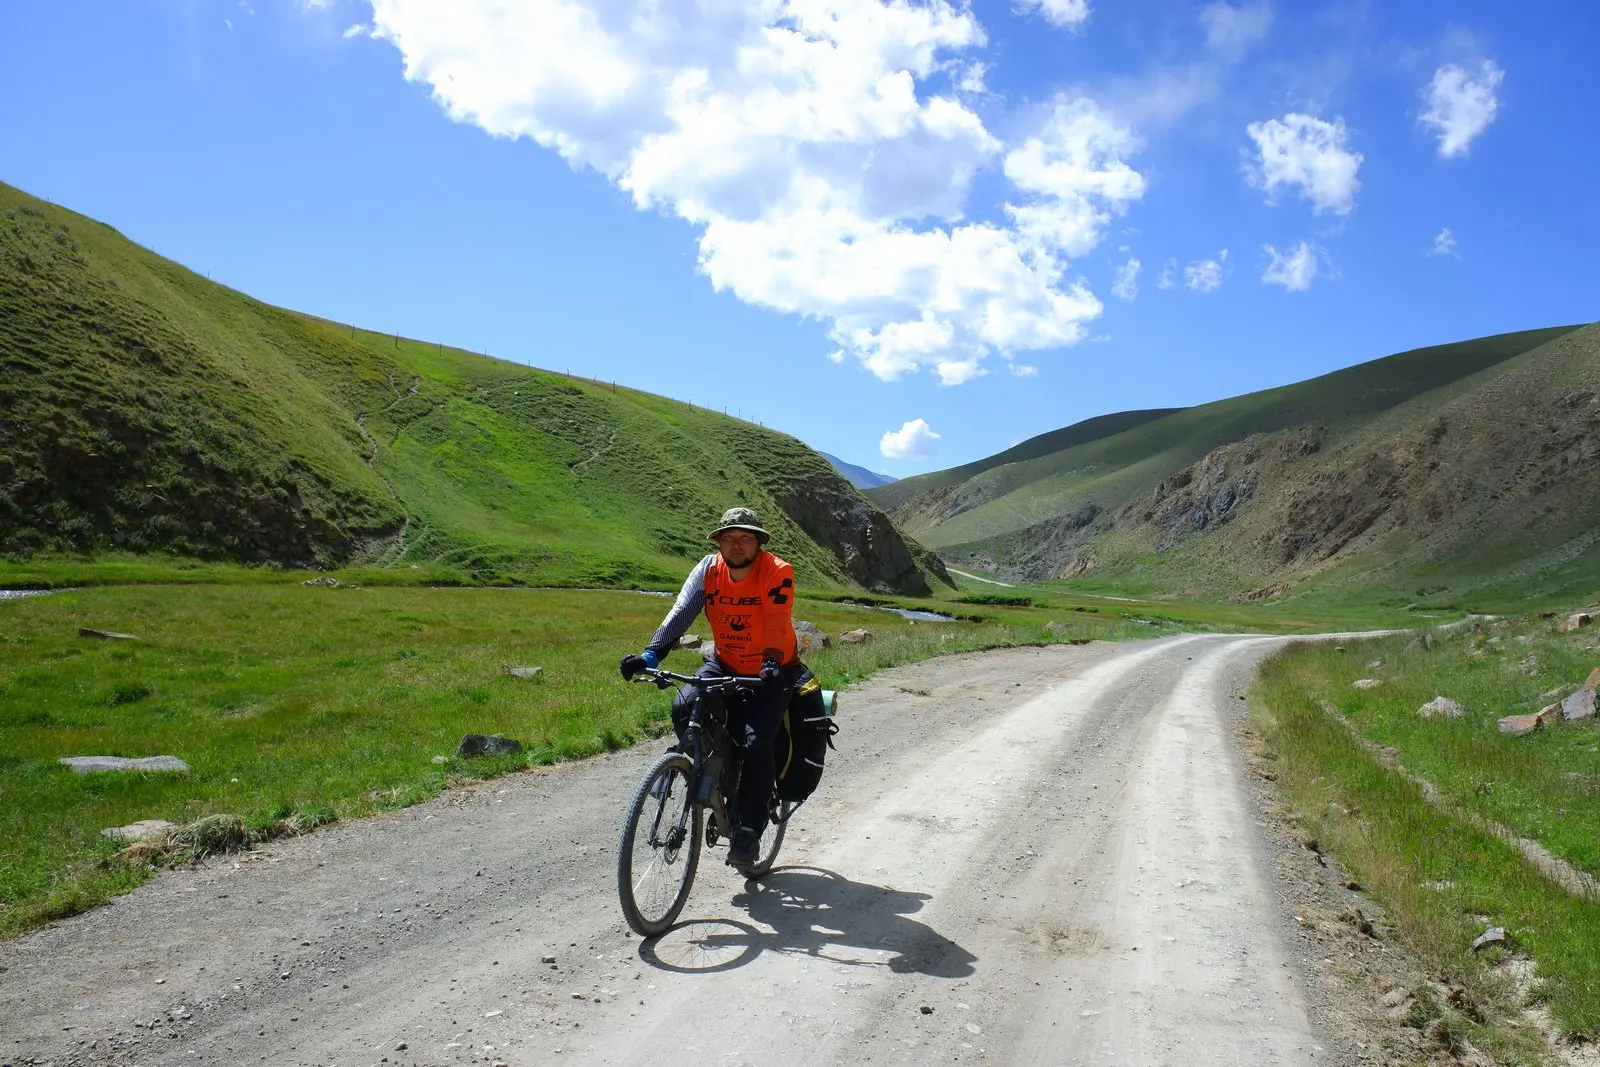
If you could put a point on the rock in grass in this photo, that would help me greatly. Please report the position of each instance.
(522, 672)
(473, 745)
(855, 637)
(1579, 705)
(325, 582)
(809, 638)
(1517, 725)
(1593, 681)
(1495, 935)
(695, 641)
(1441, 708)
(1576, 621)
(105, 635)
(1366, 683)
(1550, 714)
(93, 764)
(143, 830)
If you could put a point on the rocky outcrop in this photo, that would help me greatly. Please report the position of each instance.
(870, 550)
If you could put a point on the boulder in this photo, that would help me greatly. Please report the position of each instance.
(855, 637)
(1593, 681)
(1366, 683)
(93, 764)
(1549, 715)
(690, 641)
(1495, 935)
(473, 745)
(142, 830)
(1517, 725)
(1441, 708)
(1579, 705)
(522, 672)
(809, 638)
(1576, 621)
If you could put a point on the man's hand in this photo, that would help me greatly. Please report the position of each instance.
(632, 665)
(770, 670)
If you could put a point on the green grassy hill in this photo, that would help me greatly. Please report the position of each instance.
(145, 409)
(1451, 468)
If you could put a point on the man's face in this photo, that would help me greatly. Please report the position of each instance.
(739, 547)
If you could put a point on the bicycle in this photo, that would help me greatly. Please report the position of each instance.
(680, 803)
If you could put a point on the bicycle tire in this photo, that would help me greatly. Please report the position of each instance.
(769, 853)
(655, 874)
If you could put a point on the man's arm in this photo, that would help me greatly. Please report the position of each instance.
(691, 601)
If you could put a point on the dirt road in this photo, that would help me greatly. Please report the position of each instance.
(1034, 856)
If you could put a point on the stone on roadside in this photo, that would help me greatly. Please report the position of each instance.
(105, 635)
(142, 830)
(690, 641)
(1495, 935)
(1366, 683)
(809, 638)
(1517, 725)
(1576, 621)
(94, 764)
(473, 745)
(522, 672)
(1579, 705)
(855, 637)
(1441, 708)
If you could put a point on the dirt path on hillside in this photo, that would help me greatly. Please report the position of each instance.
(1035, 856)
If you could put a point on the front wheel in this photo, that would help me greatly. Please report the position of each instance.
(660, 846)
(774, 841)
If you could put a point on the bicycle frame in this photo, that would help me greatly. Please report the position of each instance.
(701, 739)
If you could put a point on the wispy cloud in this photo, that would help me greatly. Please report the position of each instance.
(1444, 244)
(1232, 28)
(1205, 275)
(1126, 285)
(914, 440)
(1067, 14)
(1461, 106)
(1169, 274)
(1308, 152)
(355, 31)
(1293, 269)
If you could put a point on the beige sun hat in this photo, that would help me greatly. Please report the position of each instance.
(740, 519)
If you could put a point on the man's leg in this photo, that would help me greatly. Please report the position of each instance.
(763, 715)
(684, 703)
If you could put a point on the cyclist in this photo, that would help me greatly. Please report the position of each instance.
(747, 594)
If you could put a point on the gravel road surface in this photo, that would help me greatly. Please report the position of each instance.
(1030, 856)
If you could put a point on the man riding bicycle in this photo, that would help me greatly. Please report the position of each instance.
(747, 594)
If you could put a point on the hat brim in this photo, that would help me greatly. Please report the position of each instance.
(758, 531)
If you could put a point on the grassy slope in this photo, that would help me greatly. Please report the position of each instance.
(145, 408)
(1044, 445)
(1110, 471)
(1442, 879)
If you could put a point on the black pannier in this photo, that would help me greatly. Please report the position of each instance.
(804, 739)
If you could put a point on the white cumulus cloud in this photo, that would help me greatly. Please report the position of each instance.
(911, 441)
(1444, 244)
(1169, 274)
(1205, 275)
(1068, 14)
(1126, 285)
(807, 143)
(1461, 106)
(1293, 269)
(1308, 152)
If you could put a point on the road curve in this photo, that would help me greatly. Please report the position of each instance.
(1030, 856)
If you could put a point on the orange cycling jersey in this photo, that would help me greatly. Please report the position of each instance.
(751, 619)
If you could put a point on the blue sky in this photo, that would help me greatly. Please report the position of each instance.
(839, 217)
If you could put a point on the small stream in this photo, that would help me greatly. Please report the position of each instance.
(18, 594)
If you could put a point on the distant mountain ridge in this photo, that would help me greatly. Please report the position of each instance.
(859, 477)
(1452, 468)
(144, 408)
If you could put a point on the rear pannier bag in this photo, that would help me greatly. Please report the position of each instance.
(804, 739)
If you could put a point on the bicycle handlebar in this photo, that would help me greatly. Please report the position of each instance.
(711, 681)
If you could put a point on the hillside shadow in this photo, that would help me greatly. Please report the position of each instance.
(814, 912)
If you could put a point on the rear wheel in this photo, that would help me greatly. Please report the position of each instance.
(774, 839)
(660, 846)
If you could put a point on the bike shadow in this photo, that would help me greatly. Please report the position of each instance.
(816, 912)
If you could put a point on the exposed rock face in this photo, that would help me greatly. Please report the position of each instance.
(1199, 498)
(867, 545)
